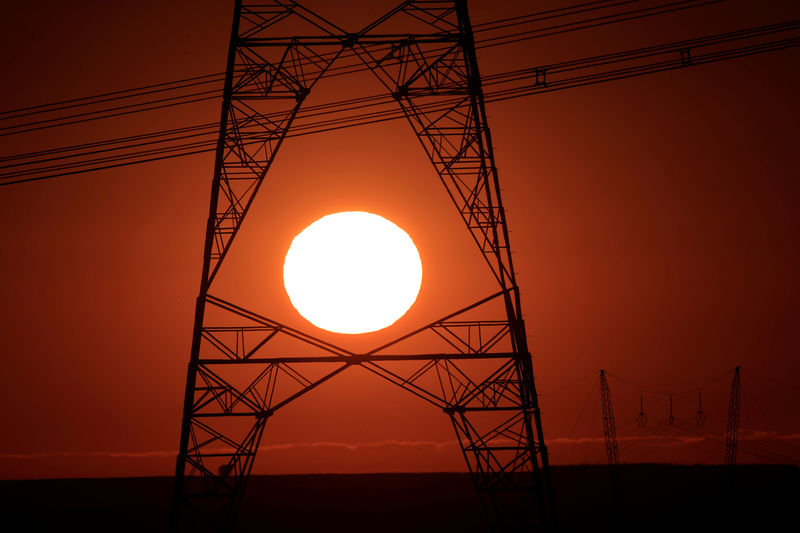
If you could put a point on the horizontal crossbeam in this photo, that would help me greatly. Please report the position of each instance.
(360, 359)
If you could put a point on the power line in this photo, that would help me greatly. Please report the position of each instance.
(107, 142)
(110, 112)
(670, 393)
(595, 22)
(381, 108)
(348, 68)
(116, 95)
(551, 13)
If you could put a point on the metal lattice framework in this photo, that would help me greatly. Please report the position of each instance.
(732, 430)
(478, 369)
(609, 425)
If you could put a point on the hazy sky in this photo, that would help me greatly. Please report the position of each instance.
(654, 224)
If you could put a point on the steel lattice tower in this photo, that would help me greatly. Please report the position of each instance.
(609, 425)
(238, 377)
(732, 430)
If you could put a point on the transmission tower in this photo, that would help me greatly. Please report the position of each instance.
(641, 418)
(609, 426)
(239, 377)
(700, 417)
(734, 406)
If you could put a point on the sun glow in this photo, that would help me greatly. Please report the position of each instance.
(352, 272)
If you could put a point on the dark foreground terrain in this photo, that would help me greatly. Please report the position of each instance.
(651, 498)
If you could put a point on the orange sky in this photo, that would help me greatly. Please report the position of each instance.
(653, 221)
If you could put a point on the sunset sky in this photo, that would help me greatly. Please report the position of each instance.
(654, 223)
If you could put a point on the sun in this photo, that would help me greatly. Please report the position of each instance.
(352, 272)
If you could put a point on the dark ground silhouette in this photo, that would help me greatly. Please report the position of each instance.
(652, 498)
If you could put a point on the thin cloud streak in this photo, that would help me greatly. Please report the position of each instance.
(436, 445)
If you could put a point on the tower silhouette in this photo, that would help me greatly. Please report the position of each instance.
(609, 424)
(478, 370)
(734, 409)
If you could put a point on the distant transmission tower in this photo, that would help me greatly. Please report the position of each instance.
(641, 418)
(478, 370)
(609, 425)
(700, 417)
(734, 406)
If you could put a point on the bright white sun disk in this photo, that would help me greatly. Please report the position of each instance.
(352, 272)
